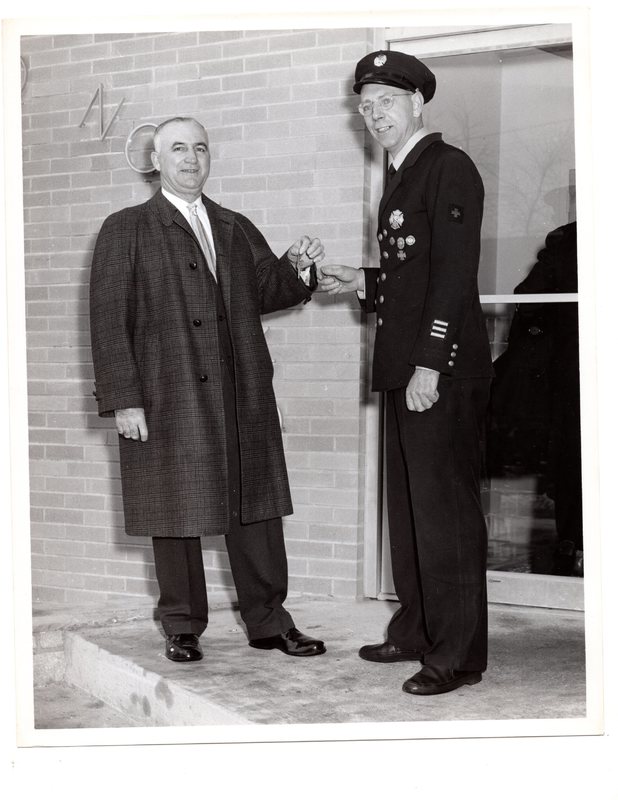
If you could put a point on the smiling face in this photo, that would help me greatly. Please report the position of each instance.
(182, 157)
(392, 128)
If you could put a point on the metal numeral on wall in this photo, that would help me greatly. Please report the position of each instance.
(103, 129)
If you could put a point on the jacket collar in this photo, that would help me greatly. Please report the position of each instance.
(408, 162)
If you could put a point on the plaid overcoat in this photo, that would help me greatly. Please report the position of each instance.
(149, 283)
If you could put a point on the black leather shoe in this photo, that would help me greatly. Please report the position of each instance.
(433, 680)
(292, 643)
(183, 647)
(387, 652)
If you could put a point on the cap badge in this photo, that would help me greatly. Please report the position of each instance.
(396, 219)
(380, 60)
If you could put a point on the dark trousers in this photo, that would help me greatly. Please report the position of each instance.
(437, 531)
(259, 569)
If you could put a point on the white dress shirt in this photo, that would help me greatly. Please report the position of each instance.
(398, 160)
(183, 207)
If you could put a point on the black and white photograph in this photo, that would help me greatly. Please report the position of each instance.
(305, 397)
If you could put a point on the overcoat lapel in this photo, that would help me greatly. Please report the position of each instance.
(221, 223)
(409, 160)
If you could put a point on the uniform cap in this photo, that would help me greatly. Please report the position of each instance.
(395, 69)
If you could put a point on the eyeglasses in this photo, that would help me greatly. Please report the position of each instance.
(385, 103)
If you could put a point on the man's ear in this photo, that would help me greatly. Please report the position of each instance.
(418, 102)
(154, 157)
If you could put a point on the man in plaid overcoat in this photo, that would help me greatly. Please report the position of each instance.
(177, 288)
(432, 360)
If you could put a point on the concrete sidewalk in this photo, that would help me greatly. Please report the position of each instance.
(111, 671)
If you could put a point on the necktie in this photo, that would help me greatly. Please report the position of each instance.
(391, 173)
(202, 237)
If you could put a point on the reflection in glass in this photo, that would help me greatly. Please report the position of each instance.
(533, 497)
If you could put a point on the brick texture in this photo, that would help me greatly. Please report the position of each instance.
(287, 152)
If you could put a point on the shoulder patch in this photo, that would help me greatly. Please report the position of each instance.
(455, 213)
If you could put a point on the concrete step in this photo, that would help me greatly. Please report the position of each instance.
(124, 667)
(537, 671)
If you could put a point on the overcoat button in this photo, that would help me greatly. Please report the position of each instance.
(451, 363)
(380, 321)
(193, 265)
(383, 276)
(381, 298)
(197, 322)
(455, 346)
(203, 378)
(453, 354)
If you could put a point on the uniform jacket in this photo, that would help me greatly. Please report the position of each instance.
(154, 345)
(425, 293)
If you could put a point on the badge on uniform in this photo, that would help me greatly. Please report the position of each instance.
(396, 219)
(455, 213)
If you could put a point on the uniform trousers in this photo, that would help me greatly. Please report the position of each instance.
(256, 551)
(437, 531)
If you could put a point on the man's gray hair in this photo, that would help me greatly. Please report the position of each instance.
(157, 133)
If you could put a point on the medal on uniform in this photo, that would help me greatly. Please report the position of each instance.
(410, 240)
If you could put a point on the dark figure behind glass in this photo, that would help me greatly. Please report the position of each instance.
(535, 408)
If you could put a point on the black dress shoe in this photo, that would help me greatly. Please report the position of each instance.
(292, 643)
(183, 647)
(387, 652)
(434, 680)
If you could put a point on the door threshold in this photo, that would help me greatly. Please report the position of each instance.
(529, 589)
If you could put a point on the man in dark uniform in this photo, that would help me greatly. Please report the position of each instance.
(177, 288)
(432, 360)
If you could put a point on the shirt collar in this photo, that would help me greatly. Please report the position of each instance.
(183, 205)
(412, 141)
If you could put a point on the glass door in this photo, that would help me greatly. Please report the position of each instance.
(506, 98)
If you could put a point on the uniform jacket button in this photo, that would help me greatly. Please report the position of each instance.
(381, 298)
(380, 322)
(451, 363)
(383, 276)
(193, 264)
(197, 322)
(203, 378)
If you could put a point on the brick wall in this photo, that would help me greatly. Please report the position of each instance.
(287, 152)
